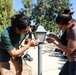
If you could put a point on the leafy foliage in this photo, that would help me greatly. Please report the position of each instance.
(45, 11)
(28, 7)
(6, 7)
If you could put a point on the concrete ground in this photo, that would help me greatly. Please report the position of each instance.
(52, 61)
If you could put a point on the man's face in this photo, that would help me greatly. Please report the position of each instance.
(23, 31)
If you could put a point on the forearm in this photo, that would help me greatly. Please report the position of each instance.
(17, 52)
(22, 49)
(62, 47)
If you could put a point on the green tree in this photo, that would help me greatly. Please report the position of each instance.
(44, 12)
(28, 7)
(6, 9)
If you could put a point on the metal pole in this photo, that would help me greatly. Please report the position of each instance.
(40, 58)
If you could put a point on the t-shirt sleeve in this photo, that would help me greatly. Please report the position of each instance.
(72, 34)
(7, 43)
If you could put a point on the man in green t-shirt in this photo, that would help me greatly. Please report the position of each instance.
(11, 37)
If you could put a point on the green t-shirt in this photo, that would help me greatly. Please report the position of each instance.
(10, 39)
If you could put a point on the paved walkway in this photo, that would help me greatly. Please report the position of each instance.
(52, 61)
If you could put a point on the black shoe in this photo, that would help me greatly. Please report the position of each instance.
(64, 56)
(27, 57)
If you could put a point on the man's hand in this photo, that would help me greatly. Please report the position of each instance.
(33, 42)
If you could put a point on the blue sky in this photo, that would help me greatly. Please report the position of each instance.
(74, 8)
(18, 5)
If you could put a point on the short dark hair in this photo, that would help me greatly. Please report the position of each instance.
(20, 20)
